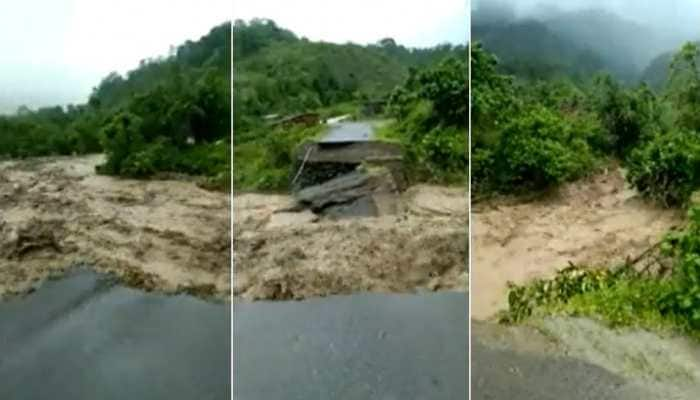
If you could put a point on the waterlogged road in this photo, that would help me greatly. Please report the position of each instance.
(365, 346)
(86, 338)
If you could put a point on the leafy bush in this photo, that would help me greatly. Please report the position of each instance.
(667, 168)
(540, 149)
(120, 138)
(628, 116)
(568, 284)
(684, 87)
(431, 122)
(267, 161)
(683, 301)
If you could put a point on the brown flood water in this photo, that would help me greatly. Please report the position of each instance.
(166, 235)
(597, 221)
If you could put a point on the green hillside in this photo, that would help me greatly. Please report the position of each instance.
(278, 73)
(169, 114)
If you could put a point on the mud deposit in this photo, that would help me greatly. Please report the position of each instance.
(359, 347)
(593, 222)
(281, 255)
(156, 235)
(84, 337)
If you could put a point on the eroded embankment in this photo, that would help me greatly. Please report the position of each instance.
(163, 234)
(295, 255)
(597, 221)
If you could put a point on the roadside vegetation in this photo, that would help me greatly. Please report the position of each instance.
(278, 74)
(430, 121)
(170, 115)
(535, 134)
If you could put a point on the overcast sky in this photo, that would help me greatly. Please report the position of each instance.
(55, 52)
(411, 23)
(675, 16)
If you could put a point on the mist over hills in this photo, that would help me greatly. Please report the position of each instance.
(546, 40)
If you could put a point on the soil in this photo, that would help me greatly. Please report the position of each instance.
(165, 235)
(597, 221)
(283, 255)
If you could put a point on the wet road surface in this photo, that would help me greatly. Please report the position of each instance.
(349, 132)
(499, 374)
(364, 346)
(84, 337)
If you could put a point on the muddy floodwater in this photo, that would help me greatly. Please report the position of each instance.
(85, 337)
(363, 346)
(597, 222)
(284, 255)
(165, 235)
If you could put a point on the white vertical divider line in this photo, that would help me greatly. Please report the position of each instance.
(469, 202)
(231, 199)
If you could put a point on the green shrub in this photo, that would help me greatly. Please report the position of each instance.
(265, 161)
(628, 116)
(568, 284)
(443, 151)
(431, 122)
(120, 138)
(667, 168)
(539, 149)
(683, 301)
(483, 169)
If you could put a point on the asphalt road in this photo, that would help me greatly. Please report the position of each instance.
(499, 374)
(364, 346)
(84, 337)
(349, 132)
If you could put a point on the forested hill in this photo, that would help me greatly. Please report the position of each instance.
(575, 44)
(169, 114)
(277, 72)
(212, 51)
(656, 74)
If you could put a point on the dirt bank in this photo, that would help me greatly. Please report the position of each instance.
(295, 255)
(598, 221)
(166, 235)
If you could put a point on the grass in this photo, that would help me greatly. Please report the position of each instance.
(265, 161)
(619, 297)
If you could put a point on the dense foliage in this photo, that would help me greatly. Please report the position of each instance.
(170, 114)
(431, 111)
(535, 134)
(539, 130)
(278, 74)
